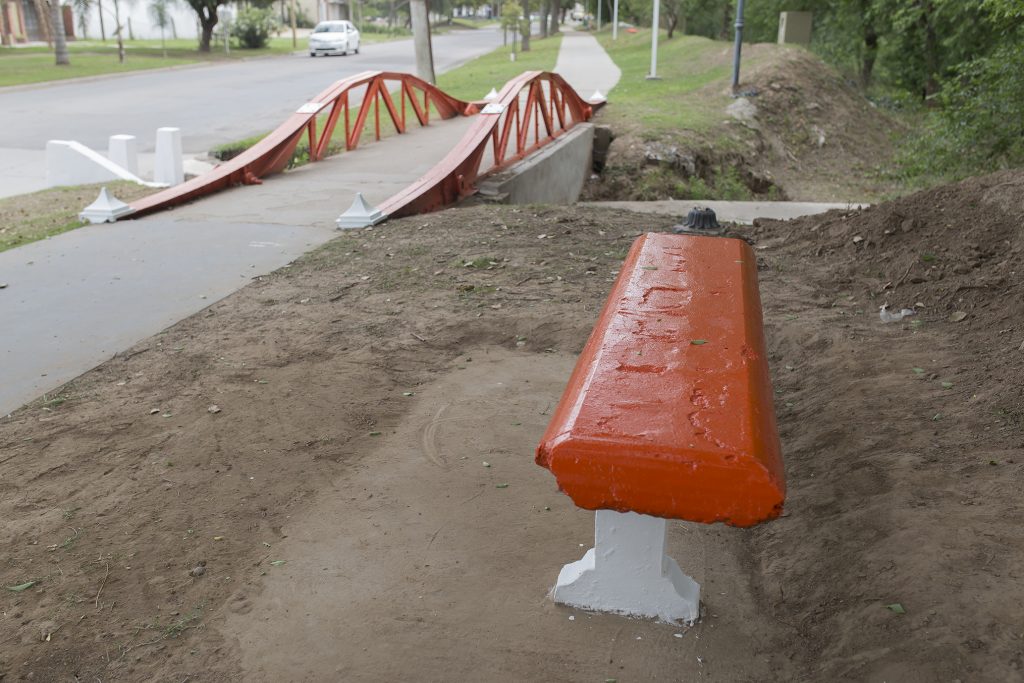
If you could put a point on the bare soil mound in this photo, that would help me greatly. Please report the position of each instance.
(800, 131)
(148, 536)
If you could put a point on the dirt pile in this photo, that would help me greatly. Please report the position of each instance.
(904, 442)
(799, 131)
(898, 557)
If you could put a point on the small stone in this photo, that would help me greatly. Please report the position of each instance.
(213, 409)
(198, 570)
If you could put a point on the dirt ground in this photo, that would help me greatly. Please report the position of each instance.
(802, 132)
(333, 518)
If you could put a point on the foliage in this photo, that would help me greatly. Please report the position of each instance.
(980, 123)
(253, 27)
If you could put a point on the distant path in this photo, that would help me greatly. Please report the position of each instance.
(585, 64)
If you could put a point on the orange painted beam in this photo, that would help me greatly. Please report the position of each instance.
(669, 409)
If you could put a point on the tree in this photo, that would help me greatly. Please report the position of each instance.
(160, 13)
(60, 45)
(206, 10)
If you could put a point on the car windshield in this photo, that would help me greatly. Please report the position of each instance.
(330, 28)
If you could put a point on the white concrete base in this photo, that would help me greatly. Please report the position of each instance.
(359, 215)
(628, 572)
(106, 209)
(123, 150)
(168, 166)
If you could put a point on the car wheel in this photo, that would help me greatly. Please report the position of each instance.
(312, 54)
(357, 48)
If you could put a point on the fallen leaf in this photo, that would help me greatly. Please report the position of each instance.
(649, 267)
(501, 486)
(278, 563)
(897, 608)
(957, 316)
(406, 393)
(154, 411)
(21, 586)
(947, 385)
(919, 371)
(218, 538)
(374, 433)
(698, 342)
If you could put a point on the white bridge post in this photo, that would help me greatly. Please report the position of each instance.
(628, 572)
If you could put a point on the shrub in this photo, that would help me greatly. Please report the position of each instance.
(253, 27)
(979, 125)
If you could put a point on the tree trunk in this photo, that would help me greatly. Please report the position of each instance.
(672, 21)
(526, 30)
(727, 16)
(207, 20)
(545, 7)
(555, 24)
(931, 50)
(119, 32)
(59, 39)
(103, 29)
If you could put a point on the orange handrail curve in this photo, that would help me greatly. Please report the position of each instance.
(272, 153)
(524, 101)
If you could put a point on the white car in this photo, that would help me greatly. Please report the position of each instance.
(334, 38)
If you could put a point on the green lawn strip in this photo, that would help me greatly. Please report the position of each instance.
(473, 80)
(21, 66)
(30, 217)
(686, 64)
(21, 69)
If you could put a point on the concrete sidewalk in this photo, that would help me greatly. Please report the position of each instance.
(585, 64)
(730, 212)
(73, 301)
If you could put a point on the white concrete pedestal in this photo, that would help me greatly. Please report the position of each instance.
(123, 150)
(628, 572)
(168, 167)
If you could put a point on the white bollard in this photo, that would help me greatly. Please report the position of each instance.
(123, 150)
(106, 209)
(628, 572)
(168, 167)
(359, 215)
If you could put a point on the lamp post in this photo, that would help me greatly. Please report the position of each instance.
(739, 47)
(615, 20)
(653, 76)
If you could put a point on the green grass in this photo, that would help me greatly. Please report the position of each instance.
(686, 64)
(24, 65)
(30, 217)
(473, 80)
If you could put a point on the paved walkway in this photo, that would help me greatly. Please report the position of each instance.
(730, 212)
(73, 301)
(585, 65)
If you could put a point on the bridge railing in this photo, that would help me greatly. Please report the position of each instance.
(531, 111)
(273, 153)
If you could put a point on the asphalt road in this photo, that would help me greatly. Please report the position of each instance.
(212, 104)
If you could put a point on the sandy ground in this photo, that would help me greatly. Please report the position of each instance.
(333, 519)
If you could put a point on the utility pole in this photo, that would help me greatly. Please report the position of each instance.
(420, 19)
(738, 48)
(615, 20)
(653, 76)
